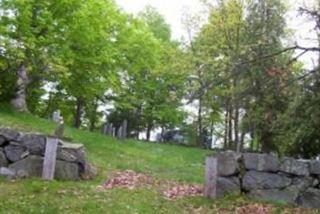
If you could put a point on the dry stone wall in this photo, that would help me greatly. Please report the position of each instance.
(267, 177)
(22, 155)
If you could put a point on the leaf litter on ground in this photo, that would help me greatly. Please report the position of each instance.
(170, 189)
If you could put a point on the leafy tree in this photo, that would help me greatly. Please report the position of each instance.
(30, 31)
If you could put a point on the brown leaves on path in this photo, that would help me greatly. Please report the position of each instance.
(130, 179)
(254, 209)
(183, 190)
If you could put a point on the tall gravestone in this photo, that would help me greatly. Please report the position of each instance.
(124, 129)
(49, 162)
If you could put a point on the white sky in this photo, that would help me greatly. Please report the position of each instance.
(172, 11)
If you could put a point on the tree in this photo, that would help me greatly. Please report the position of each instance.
(30, 31)
(266, 27)
(91, 54)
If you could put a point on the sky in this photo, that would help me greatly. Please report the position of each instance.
(172, 10)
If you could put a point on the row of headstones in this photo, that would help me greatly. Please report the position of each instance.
(109, 129)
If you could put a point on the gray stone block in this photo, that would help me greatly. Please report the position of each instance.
(295, 167)
(14, 151)
(310, 198)
(315, 167)
(7, 173)
(35, 144)
(3, 159)
(261, 162)
(33, 166)
(71, 152)
(9, 134)
(287, 195)
(228, 185)
(2, 140)
(263, 180)
(227, 163)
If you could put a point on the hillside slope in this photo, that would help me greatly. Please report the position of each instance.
(163, 162)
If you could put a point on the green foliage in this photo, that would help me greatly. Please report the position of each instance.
(156, 23)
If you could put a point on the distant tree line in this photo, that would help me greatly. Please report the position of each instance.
(88, 57)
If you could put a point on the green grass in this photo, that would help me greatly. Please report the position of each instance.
(167, 162)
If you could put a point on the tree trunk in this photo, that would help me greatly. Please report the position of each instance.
(230, 141)
(226, 126)
(78, 113)
(92, 126)
(200, 134)
(236, 127)
(265, 141)
(211, 128)
(149, 127)
(19, 102)
(138, 120)
(93, 116)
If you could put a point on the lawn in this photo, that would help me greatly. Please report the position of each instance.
(162, 162)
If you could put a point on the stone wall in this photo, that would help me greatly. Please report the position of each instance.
(22, 154)
(266, 177)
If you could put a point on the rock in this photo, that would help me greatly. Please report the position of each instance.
(35, 144)
(263, 180)
(71, 152)
(7, 173)
(261, 162)
(315, 167)
(310, 198)
(227, 163)
(33, 165)
(14, 151)
(22, 174)
(66, 171)
(295, 167)
(303, 183)
(228, 185)
(66, 156)
(288, 195)
(2, 140)
(3, 159)
(90, 171)
(9, 134)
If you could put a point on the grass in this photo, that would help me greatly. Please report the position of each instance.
(167, 162)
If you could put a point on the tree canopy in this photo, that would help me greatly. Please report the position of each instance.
(93, 61)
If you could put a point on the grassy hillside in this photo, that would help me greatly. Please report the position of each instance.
(163, 162)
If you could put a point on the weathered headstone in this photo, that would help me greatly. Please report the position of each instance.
(105, 127)
(210, 190)
(119, 134)
(49, 162)
(124, 129)
(56, 116)
(109, 129)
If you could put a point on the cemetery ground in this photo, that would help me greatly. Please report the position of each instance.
(163, 163)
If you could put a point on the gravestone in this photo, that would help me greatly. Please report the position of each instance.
(56, 116)
(119, 134)
(110, 129)
(104, 129)
(49, 162)
(210, 190)
(124, 129)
